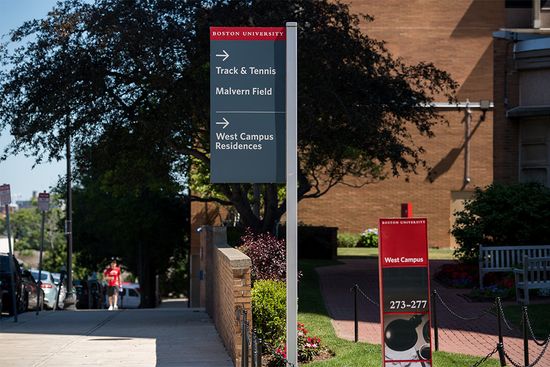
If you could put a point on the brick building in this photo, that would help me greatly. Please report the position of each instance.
(522, 94)
(496, 50)
(457, 36)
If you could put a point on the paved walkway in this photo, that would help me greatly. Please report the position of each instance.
(170, 336)
(467, 337)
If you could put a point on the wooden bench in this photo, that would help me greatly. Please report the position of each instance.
(506, 258)
(535, 274)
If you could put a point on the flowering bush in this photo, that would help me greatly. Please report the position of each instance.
(458, 275)
(369, 238)
(268, 255)
(308, 348)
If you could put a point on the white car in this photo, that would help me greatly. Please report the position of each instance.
(48, 285)
(129, 297)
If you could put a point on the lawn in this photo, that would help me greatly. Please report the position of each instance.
(433, 253)
(539, 315)
(313, 314)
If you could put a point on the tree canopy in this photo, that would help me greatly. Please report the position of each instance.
(142, 65)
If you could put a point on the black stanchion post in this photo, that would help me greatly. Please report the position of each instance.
(434, 319)
(243, 340)
(500, 345)
(355, 318)
(259, 352)
(525, 338)
(254, 349)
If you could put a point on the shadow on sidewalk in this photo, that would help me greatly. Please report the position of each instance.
(177, 336)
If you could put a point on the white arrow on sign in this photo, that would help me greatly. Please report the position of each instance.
(224, 123)
(225, 55)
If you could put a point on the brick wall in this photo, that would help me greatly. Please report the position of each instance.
(227, 286)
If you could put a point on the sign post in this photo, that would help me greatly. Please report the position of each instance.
(43, 206)
(5, 199)
(247, 104)
(253, 93)
(405, 292)
(292, 193)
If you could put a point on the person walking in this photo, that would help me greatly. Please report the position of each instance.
(112, 275)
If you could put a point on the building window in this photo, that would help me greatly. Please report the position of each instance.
(535, 150)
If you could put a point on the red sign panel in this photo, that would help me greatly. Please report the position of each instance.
(43, 201)
(5, 194)
(247, 33)
(405, 292)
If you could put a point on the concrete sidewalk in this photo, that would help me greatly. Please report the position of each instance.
(169, 336)
(477, 337)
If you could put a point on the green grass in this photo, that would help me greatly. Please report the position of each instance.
(433, 253)
(313, 314)
(539, 315)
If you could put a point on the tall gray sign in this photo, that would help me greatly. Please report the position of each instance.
(247, 104)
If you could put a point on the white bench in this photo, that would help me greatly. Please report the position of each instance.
(535, 274)
(505, 258)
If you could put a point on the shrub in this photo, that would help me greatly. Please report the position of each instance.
(458, 275)
(268, 255)
(369, 238)
(347, 239)
(269, 310)
(503, 215)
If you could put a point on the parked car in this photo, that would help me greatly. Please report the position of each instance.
(89, 294)
(47, 283)
(130, 296)
(32, 290)
(21, 298)
(63, 288)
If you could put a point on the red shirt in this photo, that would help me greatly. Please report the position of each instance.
(114, 274)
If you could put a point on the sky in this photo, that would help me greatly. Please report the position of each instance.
(17, 170)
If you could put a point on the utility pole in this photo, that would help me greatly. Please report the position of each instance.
(70, 299)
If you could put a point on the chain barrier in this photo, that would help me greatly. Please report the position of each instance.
(483, 314)
(506, 323)
(364, 295)
(484, 359)
(530, 328)
(535, 362)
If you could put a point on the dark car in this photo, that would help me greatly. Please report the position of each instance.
(31, 291)
(21, 298)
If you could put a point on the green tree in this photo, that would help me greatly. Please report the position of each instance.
(144, 63)
(503, 215)
(128, 205)
(25, 227)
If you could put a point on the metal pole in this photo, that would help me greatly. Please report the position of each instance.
(292, 192)
(525, 338)
(467, 145)
(434, 319)
(69, 227)
(500, 345)
(355, 319)
(10, 266)
(40, 263)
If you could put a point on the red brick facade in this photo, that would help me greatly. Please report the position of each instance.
(457, 37)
